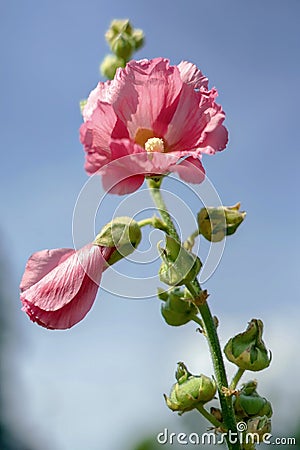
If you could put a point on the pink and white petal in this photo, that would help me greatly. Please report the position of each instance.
(70, 314)
(190, 74)
(190, 170)
(41, 263)
(59, 286)
(215, 141)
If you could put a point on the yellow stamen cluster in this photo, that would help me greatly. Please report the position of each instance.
(154, 145)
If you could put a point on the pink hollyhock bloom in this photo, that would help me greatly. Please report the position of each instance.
(59, 286)
(151, 119)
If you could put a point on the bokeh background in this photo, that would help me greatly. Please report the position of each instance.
(99, 385)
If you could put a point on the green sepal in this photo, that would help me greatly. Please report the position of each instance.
(122, 233)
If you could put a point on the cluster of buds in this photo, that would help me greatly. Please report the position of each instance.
(190, 390)
(123, 41)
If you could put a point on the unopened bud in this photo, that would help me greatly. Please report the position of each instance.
(175, 309)
(190, 390)
(247, 350)
(179, 266)
(123, 46)
(248, 403)
(123, 233)
(139, 38)
(216, 223)
(110, 64)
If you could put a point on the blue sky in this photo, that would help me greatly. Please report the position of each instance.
(50, 57)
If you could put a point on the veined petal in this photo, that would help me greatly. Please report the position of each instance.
(41, 263)
(215, 141)
(190, 74)
(149, 95)
(59, 286)
(124, 174)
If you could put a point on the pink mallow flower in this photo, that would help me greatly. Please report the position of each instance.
(59, 286)
(151, 119)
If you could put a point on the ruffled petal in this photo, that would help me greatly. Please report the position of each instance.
(191, 75)
(215, 141)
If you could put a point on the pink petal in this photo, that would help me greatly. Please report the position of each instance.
(124, 174)
(190, 74)
(41, 263)
(148, 95)
(65, 294)
(215, 141)
(188, 122)
(190, 170)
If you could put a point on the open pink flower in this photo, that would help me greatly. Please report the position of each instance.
(151, 119)
(59, 286)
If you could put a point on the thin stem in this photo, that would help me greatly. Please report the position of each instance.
(190, 242)
(236, 378)
(154, 187)
(144, 222)
(209, 416)
(197, 320)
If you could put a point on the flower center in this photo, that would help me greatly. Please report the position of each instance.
(154, 144)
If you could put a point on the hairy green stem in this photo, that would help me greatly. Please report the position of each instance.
(154, 187)
(218, 362)
(208, 322)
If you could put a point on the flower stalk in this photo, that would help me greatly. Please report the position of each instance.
(207, 322)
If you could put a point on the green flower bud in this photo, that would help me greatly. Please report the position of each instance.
(118, 26)
(82, 104)
(123, 46)
(248, 403)
(176, 310)
(179, 266)
(247, 350)
(138, 38)
(123, 39)
(190, 390)
(123, 233)
(216, 223)
(110, 64)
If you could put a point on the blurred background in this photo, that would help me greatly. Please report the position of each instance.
(99, 385)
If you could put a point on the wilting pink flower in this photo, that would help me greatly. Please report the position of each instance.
(151, 119)
(59, 286)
